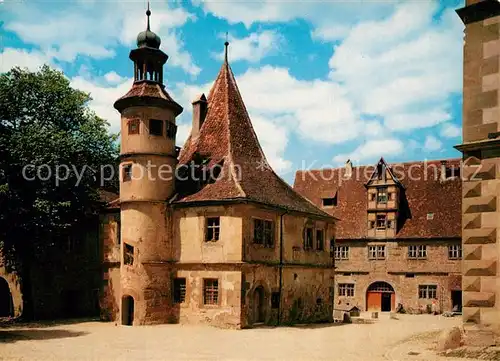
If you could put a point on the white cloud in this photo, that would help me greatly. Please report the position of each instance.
(371, 151)
(432, 143)
(403, 68)
(321, 14)
(253, 47)
(22, 58)
(113, 78)
(103, 97)
(450, 130)
(95, 29)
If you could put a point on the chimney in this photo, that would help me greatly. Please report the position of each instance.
(348, 169)
(200, 106)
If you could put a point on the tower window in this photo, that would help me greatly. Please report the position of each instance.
(171, 130)
(133, 126)
(155, 127)
(213, 229)
(127, 172)
(128, 254)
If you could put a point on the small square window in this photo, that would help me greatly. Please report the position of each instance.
(127, 173)
(179, 290)
(128, 254)
(341, 252)
(455, 251)
(330, 202)
(213, 229)
(210, 291)
(430, 216)
(155, 127)
(346, 289)
(133, 126)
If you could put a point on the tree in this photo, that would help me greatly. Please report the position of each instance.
(52, 150)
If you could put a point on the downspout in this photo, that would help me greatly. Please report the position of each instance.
(281, 269)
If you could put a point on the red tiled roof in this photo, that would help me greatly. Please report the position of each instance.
(144, 91)
(423, 192)
(227, 136)
(111, 199)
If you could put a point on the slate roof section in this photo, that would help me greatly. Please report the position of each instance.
(424, 192)
(227, 137)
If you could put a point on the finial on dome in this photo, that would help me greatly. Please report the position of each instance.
(148, 38)
(226, 44)
(148, 14)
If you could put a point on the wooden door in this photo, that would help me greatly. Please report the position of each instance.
(373, 301)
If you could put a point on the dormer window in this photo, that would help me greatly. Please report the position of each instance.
(381, 221)
(382, 195)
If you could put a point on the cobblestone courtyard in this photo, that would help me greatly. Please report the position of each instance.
(408, 338)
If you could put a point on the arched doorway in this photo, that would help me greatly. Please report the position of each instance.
(259, 307)
(6, 304)
(127, 310)
(380, 296)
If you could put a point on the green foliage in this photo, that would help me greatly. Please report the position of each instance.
(47, 125)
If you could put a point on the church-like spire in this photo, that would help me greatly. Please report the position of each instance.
(148, 14)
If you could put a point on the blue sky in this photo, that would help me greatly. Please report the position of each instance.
(323, 81)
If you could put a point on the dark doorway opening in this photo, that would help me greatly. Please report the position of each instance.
(456, 300)
(127, 310)
(386, 302)
(259, 305)
(6, 305)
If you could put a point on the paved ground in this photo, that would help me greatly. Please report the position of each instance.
(407, 338)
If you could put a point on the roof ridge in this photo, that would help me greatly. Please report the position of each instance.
(230, 148)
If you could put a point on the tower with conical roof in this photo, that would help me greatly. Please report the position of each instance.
(147, 166)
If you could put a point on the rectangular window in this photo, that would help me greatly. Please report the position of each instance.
(179, 290)
(210, 291)
(127, 172)
(275, 300)
(341, 252)
(308, 238)
(320, 240)
(330, 202)
(382, 195)
(455, 251)
(390, 224)
(171, 130)
(376, 252)
(346, 289)
(417, 252)
(263, 232)
(213, 229)
(133, 126)
(427, 291)
(381, 221)
(128, 254)
(155, 127)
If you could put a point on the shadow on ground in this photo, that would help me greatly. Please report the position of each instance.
(27, 335)
(18, 323)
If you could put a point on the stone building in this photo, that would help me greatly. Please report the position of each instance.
(398, 232)
(209, 233)
(481, 155)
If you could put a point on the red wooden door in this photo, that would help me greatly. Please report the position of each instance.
(373, 301)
